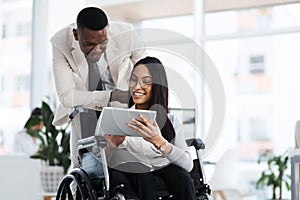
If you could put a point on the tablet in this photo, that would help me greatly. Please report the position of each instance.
(114, 121)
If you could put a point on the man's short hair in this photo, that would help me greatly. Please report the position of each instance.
(92, 18)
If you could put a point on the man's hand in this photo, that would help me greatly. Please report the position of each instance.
(114, 140)
(119, 95)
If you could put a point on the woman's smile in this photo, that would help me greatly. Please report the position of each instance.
(141, 87)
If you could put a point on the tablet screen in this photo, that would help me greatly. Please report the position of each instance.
(114, 121)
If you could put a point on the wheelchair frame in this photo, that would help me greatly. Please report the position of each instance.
(92, 178)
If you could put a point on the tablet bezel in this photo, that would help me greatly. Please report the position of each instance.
(114, 121)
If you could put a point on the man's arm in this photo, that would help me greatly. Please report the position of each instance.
(71, 88)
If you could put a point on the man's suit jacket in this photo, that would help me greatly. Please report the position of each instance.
(70, 68)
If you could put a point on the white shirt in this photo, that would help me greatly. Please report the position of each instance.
(137, 150)
(24, 144)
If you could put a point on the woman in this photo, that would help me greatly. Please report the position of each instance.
(162, 144)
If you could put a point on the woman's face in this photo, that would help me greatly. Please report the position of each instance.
(140, 85)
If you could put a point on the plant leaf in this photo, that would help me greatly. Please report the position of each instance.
(32, 121)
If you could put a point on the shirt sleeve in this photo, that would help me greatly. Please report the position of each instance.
(180, 154)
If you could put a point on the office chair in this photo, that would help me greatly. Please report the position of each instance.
(224, 181)
(224, 174)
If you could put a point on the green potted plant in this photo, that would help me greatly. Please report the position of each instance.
(55, 143)
(275, 174)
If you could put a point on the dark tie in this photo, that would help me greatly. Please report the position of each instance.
(88, 119)
(95, 82)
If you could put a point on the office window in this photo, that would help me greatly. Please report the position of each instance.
(184, 24)
(1, 83)
(3, 32)
(257, 64)
(252, 72)
(22, 83)
(254, 138)
(252, 20)
(264, 18)
(258, 129)
(15, 59)
(23, 29)
(188, 118)
(261, 107)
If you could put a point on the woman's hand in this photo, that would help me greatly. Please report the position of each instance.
(148, 131)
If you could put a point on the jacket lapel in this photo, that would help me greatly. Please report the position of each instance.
(112, 53)
(80, 62)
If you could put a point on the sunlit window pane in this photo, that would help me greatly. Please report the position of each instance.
(15, 60)
(260, 77)
(256, 19)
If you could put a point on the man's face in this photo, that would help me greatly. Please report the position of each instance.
(92, 43)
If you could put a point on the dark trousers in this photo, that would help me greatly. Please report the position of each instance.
(142, 185)
(178, 181)
(118, 178)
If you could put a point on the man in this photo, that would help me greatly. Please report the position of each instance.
(113, 48)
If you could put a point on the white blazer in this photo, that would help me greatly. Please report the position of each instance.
(70, 68)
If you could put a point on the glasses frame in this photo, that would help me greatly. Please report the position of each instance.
(141, 82)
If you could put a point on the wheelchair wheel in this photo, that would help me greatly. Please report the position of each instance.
(204, 196)
(118, 197)
(85, 190)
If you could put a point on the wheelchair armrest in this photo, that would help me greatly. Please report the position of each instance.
(196, 142)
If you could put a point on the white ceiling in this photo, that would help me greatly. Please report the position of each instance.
(137, 10)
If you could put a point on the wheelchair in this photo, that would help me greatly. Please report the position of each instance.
(92, 178)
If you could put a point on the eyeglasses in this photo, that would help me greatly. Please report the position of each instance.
(144, 82)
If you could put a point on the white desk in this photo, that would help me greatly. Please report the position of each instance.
(20, 178)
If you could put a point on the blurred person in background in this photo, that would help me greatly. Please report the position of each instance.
(25, 140)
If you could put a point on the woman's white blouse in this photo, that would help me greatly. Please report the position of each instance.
(138, 150)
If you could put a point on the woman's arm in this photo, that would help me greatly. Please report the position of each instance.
(179, 155)
(176, 151)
